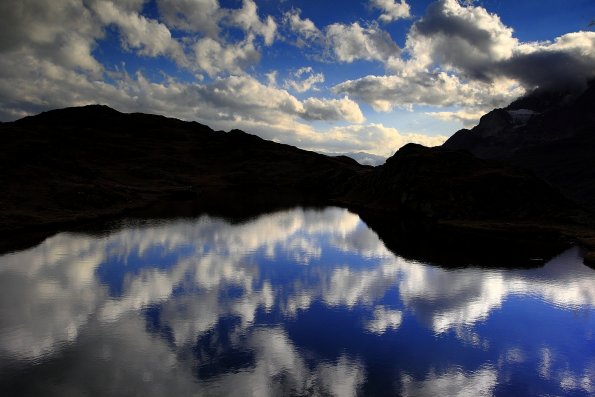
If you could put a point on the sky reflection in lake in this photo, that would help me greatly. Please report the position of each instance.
(303, 302)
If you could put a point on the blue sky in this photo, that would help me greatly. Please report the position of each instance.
(346, 76)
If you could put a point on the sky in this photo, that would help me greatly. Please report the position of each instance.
(330, 76)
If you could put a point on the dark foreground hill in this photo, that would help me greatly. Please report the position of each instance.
(82, 162)
(65, 166)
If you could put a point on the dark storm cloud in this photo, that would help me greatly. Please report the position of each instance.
(479, 45)
(549, 69)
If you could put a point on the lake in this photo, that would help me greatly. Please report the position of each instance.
(296, 302)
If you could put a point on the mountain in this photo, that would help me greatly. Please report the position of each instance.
(443, 184)
(83, 162)
(65, 166)
(549, 133)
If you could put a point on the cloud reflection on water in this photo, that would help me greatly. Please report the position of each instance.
(453, 383)
(54, 295)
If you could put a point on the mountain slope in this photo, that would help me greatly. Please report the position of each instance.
(443, 184)
(552, 134)
(82, 162)
(73, 164)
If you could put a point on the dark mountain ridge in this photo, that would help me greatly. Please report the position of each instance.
(549, 133)
(434, 183)
(65, 166)
(81, 161)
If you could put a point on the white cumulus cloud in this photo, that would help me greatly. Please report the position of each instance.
(304, 79)
(248, 19)
(215, 58)
(391, 9)
(304, 28)
(332, 109)
(437, 89)
(148, 36)
(353, 42)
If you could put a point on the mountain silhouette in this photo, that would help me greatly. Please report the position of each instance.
(65, 166)
(551, 133)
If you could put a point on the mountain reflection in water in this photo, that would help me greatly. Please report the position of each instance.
(305, 302)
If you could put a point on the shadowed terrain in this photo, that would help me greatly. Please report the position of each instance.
(83, 162)
(66, 166)
(550, 133)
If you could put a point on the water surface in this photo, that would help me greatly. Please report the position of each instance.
(300, 302)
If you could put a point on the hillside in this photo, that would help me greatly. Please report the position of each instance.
(549, 133)
(82, 162)
(65, 166)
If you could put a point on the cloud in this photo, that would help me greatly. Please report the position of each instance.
(468, 38)
(463, 297)
(463, 56)
(332, 109)
(216, 58)
(60, 285)
(391, 10)
(361, 157)
(33, 81)
(58, 281)
(436, 89)
(212, 53)
(192, 15)
(247, 97)
(215, 53)
(147, 36)
(375, 138)
(247, 18)
(384, 319)
(449, 49)
(56, 285)
(41, 24)
(224, 103)
(244, 102)
(452, 383)
(568, 62)
(62, 33)
(207, 17)
(271, 78)
(61, 293)
(304, 28)
(457, 55)
(305, 80)
(53, 66)
(353, 42)
(469, 118)
(478, 45)
(279, 366)
(339, 42)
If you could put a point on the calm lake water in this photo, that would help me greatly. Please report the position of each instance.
(299, 302)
